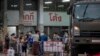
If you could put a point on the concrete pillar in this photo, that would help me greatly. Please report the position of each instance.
(72, 1)
(40, 20)
(21, 26)
(48, 30)
(5, 18)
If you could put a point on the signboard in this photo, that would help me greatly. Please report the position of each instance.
(56, 19)
(30, 18)
(53, 46)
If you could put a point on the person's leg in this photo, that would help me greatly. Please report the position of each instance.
(55, 54)
(22, 51)
(25, 50)
(42, 49)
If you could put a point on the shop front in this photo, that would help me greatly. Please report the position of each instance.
(52, 21)
(28, 24)
(56, 22)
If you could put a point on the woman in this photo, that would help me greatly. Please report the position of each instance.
(23, 42)
(7, 41)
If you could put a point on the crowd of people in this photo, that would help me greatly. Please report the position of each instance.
(31, 43)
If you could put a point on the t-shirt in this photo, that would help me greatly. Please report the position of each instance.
(13, 40)
(36, 37)
(43, 38)
(56, 38)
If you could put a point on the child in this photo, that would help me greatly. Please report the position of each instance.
(11, 52)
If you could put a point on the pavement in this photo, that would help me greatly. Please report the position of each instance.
(46, 54)
(1, 54)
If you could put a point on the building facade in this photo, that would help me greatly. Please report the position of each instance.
(54, 19)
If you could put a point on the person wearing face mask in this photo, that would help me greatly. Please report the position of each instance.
(56, 37)
(42, 39)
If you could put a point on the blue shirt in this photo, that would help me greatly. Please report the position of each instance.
(30, 40)
(43, 38)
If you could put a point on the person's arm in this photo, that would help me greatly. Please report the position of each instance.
(13, 38)
(39, 38)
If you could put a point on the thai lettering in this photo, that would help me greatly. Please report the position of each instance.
(55, 17)
(28, 17)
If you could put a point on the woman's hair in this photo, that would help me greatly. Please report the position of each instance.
(55, 33)
(36, 31)
(12, 34)
(21, 33)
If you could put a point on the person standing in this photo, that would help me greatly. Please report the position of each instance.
(36, 36)
(56, 37)
(42, 39)
(30, 41)
(23, 43)
(11, 52)
(13, 41)
(65, 41)
(6, 45)
(35, 48)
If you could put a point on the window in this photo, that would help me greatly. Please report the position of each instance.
(28, 4)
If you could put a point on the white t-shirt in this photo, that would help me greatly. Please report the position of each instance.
(36, 37)
(65, 38)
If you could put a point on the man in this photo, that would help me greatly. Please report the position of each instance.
(30, 39)
(56, 37)
(65, 41)
(43, 37)
(35, 48)
(11, 52)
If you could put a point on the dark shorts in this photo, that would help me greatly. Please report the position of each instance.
(13, 45)
(66, 47)
(24, 48)
(7, 45)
